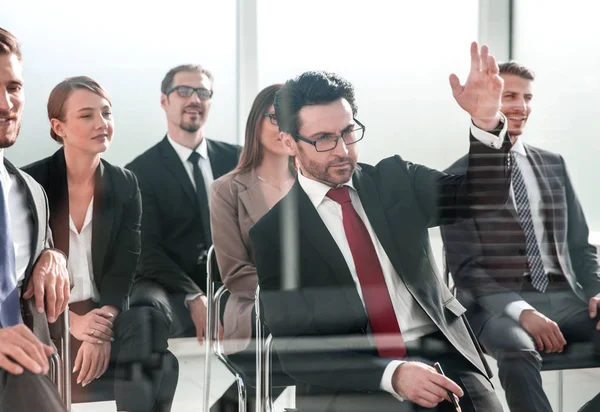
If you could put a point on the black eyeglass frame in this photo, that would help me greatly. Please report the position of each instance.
(272, 118)
(361, 127)
(196, 90)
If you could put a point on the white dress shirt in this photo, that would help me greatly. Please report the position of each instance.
(19, 215)
(204, 162)
(412, 319)
(80, 263)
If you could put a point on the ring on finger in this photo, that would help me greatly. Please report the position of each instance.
(93, 332)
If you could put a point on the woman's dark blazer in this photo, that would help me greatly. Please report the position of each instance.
(115, 223)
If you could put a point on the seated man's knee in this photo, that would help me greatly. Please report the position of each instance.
(143, 329)
(146, 293)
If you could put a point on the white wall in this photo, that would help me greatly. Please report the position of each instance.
(127, 46)
(561, 42)
(398, 55)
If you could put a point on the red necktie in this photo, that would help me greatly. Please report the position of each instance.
(376, 296)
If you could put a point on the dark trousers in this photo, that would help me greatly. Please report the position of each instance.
(148, 293)
(142, 375)
(28, 393)
(479, 393)
(519, 362)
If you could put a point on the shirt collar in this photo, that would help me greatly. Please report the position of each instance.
(185, 152)
(519, 147)
(3, 170)
(317, 191)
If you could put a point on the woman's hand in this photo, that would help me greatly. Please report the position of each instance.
(94, 327)
(91, 361)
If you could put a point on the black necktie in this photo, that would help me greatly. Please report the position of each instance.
(202, 196)
(10, 310)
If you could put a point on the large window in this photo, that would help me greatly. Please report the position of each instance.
(561, 42)
(398, 54)
(127, 46)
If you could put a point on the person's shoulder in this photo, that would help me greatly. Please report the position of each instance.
(147, 159)
(459, 166)
(38, 169)
(227, 184)
(545, 153)
(384, 166)
(124, 181)
(34, 186)
(223, 147)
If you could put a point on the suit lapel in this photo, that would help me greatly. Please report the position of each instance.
(218, 164)
(58, 201)
(369, 197)
(252, 198)
(38, 215)
(173, 163)
(317, 234)
(102, 220)
(541, 175)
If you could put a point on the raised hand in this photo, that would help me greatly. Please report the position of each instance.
(481, 94)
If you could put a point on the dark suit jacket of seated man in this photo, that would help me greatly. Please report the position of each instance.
(174, 178)
(490, 258)
(174, 244)
(323, 327)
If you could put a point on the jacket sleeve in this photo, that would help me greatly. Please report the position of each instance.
(118, 276)
(235, 263)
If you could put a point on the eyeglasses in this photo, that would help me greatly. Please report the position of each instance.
(271, 117)
(330, 142)
(186, 91)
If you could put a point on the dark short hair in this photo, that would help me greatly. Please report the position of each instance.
(512, 67)
(62, 91)
(9, 44)
(167, 82)
(309, 89)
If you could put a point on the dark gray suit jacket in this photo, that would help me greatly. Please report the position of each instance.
(41, 239)
(486, 255)
(321, 330)
(173, 243)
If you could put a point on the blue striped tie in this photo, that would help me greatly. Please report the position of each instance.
(539, 279)
(10, 310)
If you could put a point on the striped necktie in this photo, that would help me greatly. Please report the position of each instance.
(539, 279)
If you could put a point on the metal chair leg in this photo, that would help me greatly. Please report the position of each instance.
(66, 361)
(242, 394)
(208, 344)
(259, 355)
(561, 403)
(268, 362)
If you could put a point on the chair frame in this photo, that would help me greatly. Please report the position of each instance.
(214, 345)
(264, 348)
(60, 362)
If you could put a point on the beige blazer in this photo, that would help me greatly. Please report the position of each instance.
(236, 204)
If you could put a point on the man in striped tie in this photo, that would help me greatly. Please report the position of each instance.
(528, 275)
(34, 283)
